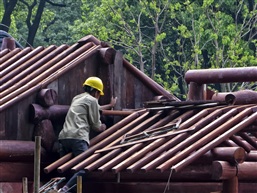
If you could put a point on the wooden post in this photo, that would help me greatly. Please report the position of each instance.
(230, 185)
(47, 97)
(24, 185)
(37, 164)
(196, 91)
(79, 184)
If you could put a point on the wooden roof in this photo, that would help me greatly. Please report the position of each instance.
(26, 71)
(168, 138)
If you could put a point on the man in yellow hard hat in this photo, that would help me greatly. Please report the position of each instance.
(83, 115)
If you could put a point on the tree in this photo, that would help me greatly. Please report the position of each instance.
(166, 38)
(34, 12)
(8, 10)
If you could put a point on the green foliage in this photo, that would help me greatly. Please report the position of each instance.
(163, 38)
(55, 22)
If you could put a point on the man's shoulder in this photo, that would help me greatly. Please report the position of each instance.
(85, 97)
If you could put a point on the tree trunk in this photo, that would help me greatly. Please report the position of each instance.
(34, 27)
(6, 20)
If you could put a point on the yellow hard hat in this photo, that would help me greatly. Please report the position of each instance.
(96, 83)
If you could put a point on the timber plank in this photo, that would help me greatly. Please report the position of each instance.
(137, 187)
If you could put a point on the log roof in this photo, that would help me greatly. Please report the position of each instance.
(24, 71)
(170, 137)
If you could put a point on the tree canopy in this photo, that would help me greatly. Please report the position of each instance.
(163, 38)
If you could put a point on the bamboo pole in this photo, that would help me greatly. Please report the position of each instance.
(79, 184)
(24, 185)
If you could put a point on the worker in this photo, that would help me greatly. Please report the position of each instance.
(83, 115)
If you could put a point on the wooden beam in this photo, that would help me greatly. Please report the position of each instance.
(15, 171)
(144, 140)
(224, 171)
(230, 185)
(47, 97)
(18, 151)
(153, 187)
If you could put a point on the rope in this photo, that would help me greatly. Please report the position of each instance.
(167, 187)
(236, 165)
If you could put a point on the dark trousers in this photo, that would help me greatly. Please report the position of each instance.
(76, 147)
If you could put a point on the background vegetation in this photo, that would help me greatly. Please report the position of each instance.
(163, 38)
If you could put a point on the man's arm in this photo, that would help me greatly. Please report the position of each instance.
(110, 105)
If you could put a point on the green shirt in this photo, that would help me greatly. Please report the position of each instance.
(82, 116)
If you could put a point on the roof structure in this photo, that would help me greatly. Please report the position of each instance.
(168, 138)
(26, 71)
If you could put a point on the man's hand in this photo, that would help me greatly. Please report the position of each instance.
(113, 101)
(102, 127)
(110, 105)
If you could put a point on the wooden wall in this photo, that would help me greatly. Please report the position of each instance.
(118, 82)
(15, 121)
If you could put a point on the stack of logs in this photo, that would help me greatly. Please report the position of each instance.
(43, 114)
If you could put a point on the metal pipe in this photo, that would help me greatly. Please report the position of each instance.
(8, 43)
(108, 54)
(215, 128)
(222, 75)
(39, 113)
(252, 156)
(53, 112)
(143, 124)
(18, 151)
(234, 155)
(167, 135)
